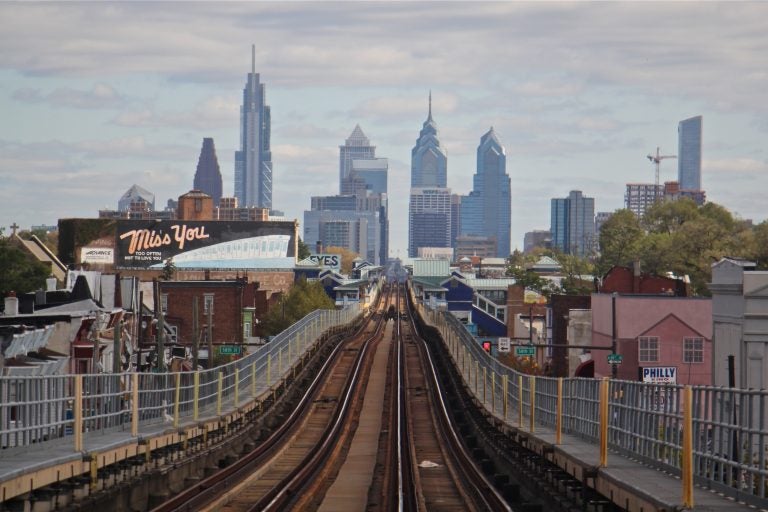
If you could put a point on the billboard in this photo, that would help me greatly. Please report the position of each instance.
(332, 261)
(104, 255)
(659, 374)
(149, 244)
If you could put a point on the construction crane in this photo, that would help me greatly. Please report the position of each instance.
(657, 160)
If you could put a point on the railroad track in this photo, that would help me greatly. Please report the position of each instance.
(308, 440)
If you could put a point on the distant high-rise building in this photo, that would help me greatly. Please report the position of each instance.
(455, 218)
(253, 163)
(134, 196)
(369, 175)
(208, 175)
(689, 153)
(641, 196)
(356, 147)
(429, 219)
(573, 224)
(537, 238)
(486, 211)
(429, 161)
(600, 219)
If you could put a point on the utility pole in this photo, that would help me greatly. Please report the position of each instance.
(210, 335)
(614, 366)
(195, 333)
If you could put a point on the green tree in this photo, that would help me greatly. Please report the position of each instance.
(18, 271)
(302, 299)
(575, 270)
(620, 239)
(169, 270)
(304, 251)
(759, 252)
(347, 257)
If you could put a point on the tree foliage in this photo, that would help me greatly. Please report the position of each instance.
(682, 238)
(18, 271)
(302, 299)
(304, 251)
(347, 257)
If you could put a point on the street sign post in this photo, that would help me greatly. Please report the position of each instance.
(230, 350)
(615, 358)
(504, 345)
(525, 351)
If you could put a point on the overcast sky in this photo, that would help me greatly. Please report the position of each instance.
(95, 97)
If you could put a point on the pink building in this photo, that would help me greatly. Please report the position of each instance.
(660, 338)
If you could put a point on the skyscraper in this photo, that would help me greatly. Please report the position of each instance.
(253, 163)
(430, 207)
(429, 219)
(208, 175)
(356, 147)
(689, 153)
(429, 161)
(573, 224)
(486, 211)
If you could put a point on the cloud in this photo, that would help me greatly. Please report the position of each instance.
(99, 97)
(213, 112)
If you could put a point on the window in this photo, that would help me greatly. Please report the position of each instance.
(693, 350)
(198, 205)
(164, 302)
(208, 304)
(649, 349)
(246, 329)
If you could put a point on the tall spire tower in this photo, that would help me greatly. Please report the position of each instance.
(253, 163)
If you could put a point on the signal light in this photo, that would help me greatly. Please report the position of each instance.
(487, 346)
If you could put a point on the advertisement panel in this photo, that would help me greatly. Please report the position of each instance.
(332, 261)
(659, 374)
(149, 244)
(103, 255)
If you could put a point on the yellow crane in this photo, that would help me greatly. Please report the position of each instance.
(657, 160)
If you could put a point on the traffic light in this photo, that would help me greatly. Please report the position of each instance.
(487, 346)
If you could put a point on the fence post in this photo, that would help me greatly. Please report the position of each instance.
(196, 396)
(485, 382)
(219, 393)
(687, 475)
(134, 404)
(559, 418)
(237, 388)
(505, 388)
(269, 369)
(77, 428)
(604, 422)
(493, 392)
(253, 379)
(532, 418)
(176, 398)
(520, 399)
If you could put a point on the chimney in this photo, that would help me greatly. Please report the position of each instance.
(636, 277)
(11, 305)
(50, 284)
(319, 247)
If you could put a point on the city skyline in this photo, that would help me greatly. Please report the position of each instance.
(101, 96)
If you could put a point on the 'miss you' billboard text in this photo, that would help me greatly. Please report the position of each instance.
(202, 244)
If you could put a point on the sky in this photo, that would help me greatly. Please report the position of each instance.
(96, 97)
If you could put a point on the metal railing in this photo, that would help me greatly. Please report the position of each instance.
(36, 411)
(725, 447)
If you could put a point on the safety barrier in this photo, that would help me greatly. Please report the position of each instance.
(35, 411)
(714, 437)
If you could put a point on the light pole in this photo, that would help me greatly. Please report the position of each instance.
(614, 366)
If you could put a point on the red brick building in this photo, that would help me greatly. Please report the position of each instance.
(627, 280)
(226, 301)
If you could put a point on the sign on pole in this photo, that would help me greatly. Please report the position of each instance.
(230, 350)
(525, 351)
(615, 358)
(504, 345)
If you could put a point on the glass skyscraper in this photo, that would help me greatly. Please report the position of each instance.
(572, 224)
(429, 209)
(356, 147)
(253, 163)
(487, 210)
(429, 161)
(689, 153)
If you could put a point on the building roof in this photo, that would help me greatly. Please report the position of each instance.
(37, 249)
(490, 284)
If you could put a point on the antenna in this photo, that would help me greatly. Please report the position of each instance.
(430, 103)
(253, 59)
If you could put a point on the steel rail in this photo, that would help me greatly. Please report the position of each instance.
(206, 489)
(481, 487)
(281, 494)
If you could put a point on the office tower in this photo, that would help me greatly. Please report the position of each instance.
(356, 147)
(537, 238)
(641, 196)
(455, 218)
(689, 153)
(136, 197)
(369, 175)
(429, 161)
(429, 219)
(253, 163)
(486, 211)
(573, 224)
(208, 175)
